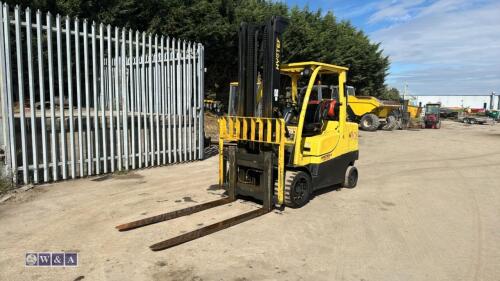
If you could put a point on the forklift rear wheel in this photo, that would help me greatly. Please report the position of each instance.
(297, 188)
(369, 122)
(351, 177)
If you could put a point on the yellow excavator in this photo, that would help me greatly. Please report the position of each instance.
(280, 144)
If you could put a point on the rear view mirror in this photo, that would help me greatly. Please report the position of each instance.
(307, 72)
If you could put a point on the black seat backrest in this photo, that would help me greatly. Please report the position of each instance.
(312, 113)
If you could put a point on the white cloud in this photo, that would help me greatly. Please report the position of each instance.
(455, 43)
(395, 11)
(353, 10)
(444, 6)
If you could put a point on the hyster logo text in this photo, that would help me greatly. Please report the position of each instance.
(278, 53)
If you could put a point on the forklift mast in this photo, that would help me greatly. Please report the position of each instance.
(260, 52)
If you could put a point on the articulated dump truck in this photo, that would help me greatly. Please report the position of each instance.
(372, 114)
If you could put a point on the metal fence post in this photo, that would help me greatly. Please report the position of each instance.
(195, 102)
(139, 94)
(184, 101)
(124, 90)
(201, 95)
(150, 100)
(53, 136)
(144, 101)
(42, 93)
(87, 98)
(70, 98)
(179, 98)
(79, 97)
(62, 134)
(110, 101)
(117, 93)
(189, 92)
(156, 101)
(31, 88)
(5, 90)
(95, 93)
(173, 93)
(163, 94)
(168, 101)
(20, 88)
(103, 99)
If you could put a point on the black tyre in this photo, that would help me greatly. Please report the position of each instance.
(351, 177)
(399, 125)
(298, 189)
(391, 123)
(369, 122)
(438, 125)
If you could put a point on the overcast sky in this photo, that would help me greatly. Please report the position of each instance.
(436, 47)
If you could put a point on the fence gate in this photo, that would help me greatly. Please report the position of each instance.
(81, 99)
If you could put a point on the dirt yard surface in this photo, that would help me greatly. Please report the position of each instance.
(427, 207)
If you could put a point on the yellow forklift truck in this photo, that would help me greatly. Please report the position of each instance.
(280, 145)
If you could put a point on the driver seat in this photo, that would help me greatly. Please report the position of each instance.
(312, 120)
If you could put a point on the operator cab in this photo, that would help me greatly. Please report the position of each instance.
(320, 108)
(323, 102)
(432, 108)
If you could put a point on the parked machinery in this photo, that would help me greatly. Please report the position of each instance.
(477, 116)
(494, 114)
(431, 117)
(214, 106)
(372, 113)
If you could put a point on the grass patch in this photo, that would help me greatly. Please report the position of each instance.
(121, 173)
(6, 183)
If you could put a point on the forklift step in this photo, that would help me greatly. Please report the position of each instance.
(174, 214)
(209, 229)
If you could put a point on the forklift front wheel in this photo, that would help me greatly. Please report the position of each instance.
(351, 177)
(297, 188)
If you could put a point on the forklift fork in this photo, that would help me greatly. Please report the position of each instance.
(195, 234)
(173, 215)
(238, 129)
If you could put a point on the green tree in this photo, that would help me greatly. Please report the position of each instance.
(390, 93)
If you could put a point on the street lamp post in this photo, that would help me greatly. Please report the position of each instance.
(498, 102)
